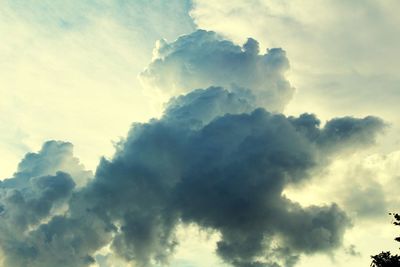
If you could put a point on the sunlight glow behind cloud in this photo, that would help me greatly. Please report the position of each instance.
(76, 71)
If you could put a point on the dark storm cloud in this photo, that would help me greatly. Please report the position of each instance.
(226, 174)
(211, 160)
(346, 133)
(204, 59)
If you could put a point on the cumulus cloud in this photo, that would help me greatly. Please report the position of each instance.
(203, 58)
(223, 169)
(219, 158)
(54, 156)
(202, 106)
(38, 191)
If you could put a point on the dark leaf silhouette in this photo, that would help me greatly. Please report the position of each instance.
(386, 259)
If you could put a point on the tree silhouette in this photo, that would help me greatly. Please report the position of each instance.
(386, 259)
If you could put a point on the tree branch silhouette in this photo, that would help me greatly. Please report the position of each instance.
(386, 259)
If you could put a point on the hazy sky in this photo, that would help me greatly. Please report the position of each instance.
(230, 174)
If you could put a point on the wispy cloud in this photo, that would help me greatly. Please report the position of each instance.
(74, 65)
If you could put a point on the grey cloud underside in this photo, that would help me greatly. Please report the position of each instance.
(204, 59)
(213, 159)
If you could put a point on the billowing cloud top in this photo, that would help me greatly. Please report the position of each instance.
(204, 59)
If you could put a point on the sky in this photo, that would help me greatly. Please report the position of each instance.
(244, 133)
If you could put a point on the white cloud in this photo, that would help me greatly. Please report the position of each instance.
(339, 50)
(203, 58)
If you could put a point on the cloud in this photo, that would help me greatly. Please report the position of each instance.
(203, 58)
(215, 159)
(225, 172)
(374, 180)
(367, 200)
(43, 180)
(201, 106)
(26, 206)
(343, 54)
(54, 156)
(38, 192)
